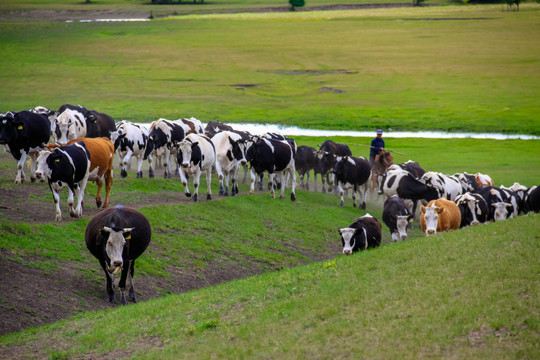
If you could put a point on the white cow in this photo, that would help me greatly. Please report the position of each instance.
(196, 154)
(69, 125)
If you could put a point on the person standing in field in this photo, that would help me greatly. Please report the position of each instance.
(377, 145)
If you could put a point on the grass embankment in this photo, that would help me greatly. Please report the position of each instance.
(398, 68)
(471, 293)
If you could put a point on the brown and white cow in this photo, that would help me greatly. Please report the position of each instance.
(439, 215)
(101, 152)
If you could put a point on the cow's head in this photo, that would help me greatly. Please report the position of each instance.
(70, 125)
(402, 223)
(353, 239)
(325, 162)
(468, 206)
(185, 149)
(238, 151)
(116, 239)
(431, 216)
(9, 128)
(43, 171)
(502, 210)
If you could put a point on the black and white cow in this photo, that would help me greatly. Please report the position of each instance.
(396, 215)
(413, 167)
(65, 166)
(364, 233)
(448, 186)
(502, 203)
(71, 122)
(353, 172)
(117, 237)
(130, 140)
(196, 154)
(277, 158)
(329, 151)
(468, 181)
(305, 161)
(473, 208)
(230, 155)
(403, 184)
(522, 193)
(163, 136)
(24, 133)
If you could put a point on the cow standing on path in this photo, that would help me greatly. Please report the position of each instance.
(196, 154)
(329, 152)
(230, 154)
(24, 133)
(117, 237)
(66, 166)
(364, 233)
(305, 161)
(353, 172)
(277, 158)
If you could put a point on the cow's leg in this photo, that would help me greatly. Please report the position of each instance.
(314, 181)
(325, 177)
(234, 181)
(20, 168)
(108, 186)
(220, 176)
(332, 183)
(293, 183)
(126, 161)
(151, 173)
(139, 166)
(341, 193)
(99, 184)
(167, 163)
(282, 178)
(80, 196)
(252, 183)
(132, 295)
(110, 285)
(56, 198)
(261, 175)
(196, 179)
(307, 180)
(33, 156)
(209, 183)
(72, 189)
(184, 182)
(226, 180)
(362, 194)
(271, 182)
(122, 282)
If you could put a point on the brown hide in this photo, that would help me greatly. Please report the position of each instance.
(449, 215)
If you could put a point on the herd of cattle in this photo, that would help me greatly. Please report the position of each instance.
(73, 145)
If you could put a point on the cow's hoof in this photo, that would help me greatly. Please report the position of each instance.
(188, 194)
(208, 197)
(33, 179)
(342, 203)
(293, 197)
(98, 203)
(151, 174)
(111, 299)
(195, 198)
(363, 206)
(354, 205)
(139, 175)
(123, 173)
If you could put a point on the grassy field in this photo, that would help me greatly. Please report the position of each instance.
(472, 293)
(473, 69)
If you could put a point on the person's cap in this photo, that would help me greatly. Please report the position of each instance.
(379, 131)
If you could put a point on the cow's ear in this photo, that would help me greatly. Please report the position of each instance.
(105, 231)
(194, 144)
(127, 233)
(439, 210)
(423, 209)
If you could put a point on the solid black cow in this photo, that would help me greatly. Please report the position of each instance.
(473, 208)
(116, 237)
(326, 159)
(277, 158)
(532, 200)
(305, 161)
(364, 233)
(353, 172)
(99, 125)
(24, 133)
(396, 215)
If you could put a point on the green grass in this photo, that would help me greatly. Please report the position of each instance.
(393, 70)
(471, 293)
